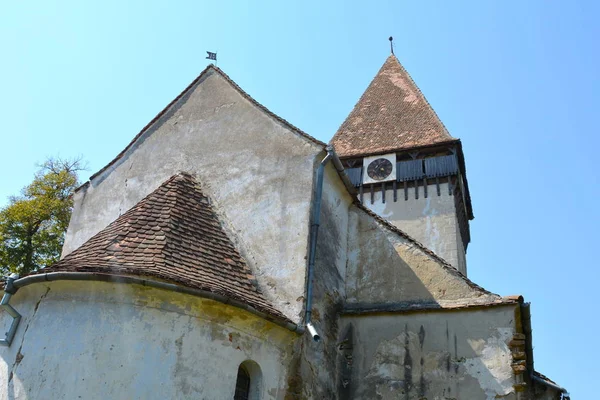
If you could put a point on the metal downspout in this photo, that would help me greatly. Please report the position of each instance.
(9, 290)
(312, 249)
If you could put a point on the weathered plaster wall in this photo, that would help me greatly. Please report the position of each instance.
(318, 363)
(386, 268)
(257, 171)
(96, 340)
(430, 220)
(431, 356)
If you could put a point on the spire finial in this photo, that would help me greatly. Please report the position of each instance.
(392, 44)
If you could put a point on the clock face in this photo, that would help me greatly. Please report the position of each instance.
(379, 169)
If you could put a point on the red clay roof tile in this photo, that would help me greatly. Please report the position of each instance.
(391, 115)
(173, 234)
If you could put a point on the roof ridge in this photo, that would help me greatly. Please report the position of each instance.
(182, 94)
(197, 187)
(445, 264)
(269, 112)
(423, 96)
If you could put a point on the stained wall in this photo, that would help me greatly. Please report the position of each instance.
(95, 340)
(385, 267)
(256, 170)
(431, 220)
(315, 375)
(438, 355)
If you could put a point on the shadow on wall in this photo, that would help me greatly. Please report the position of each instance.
(416, 354)
(376, 273)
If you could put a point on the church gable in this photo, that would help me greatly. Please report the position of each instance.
(258, 169)
(211, 69)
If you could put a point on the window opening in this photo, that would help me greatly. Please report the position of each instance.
(242, 385)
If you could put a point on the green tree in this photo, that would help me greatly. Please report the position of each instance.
(33, 224)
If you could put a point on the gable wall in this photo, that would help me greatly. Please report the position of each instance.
(257, 171)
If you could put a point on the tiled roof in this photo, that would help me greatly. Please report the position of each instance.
(391, 115)
(173, 234)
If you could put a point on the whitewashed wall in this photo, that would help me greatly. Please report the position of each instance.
(431, 221)
(94, 340)
(435, 355)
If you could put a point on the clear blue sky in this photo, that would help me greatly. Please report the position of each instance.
(517, 81)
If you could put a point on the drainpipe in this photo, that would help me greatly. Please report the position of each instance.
(314, 231)
(9, 290)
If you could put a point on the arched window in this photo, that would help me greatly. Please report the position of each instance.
(242, 385)
(249, 381)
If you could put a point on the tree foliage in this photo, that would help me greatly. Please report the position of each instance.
(33, 224)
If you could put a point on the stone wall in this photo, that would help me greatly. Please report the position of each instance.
(318, 364)
(431, 220)
(433, 355)
(95, 340)
(385, 267)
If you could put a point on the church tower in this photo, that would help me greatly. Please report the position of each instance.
(406, 166)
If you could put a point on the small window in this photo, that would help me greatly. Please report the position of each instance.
(242, 385)
(248, 384)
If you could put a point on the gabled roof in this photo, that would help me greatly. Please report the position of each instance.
(173, 234)
(391, 115)
(190, 87)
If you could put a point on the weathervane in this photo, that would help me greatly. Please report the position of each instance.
(392, 44)
(212, 56)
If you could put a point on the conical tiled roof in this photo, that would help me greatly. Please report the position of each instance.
(391, 115)
(172, 234)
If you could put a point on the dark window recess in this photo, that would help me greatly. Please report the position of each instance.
(355, 175)
(440, 166)
(409, 170)
(242, 385)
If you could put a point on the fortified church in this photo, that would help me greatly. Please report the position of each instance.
(226, 254)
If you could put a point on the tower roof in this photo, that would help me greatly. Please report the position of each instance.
(391, 115)
(173, 234)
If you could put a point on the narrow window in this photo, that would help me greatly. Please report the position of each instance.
(248, 385)
(242, 385)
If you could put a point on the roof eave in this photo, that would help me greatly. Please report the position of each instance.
(453, 142)
(363, 153)
(157, 284)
